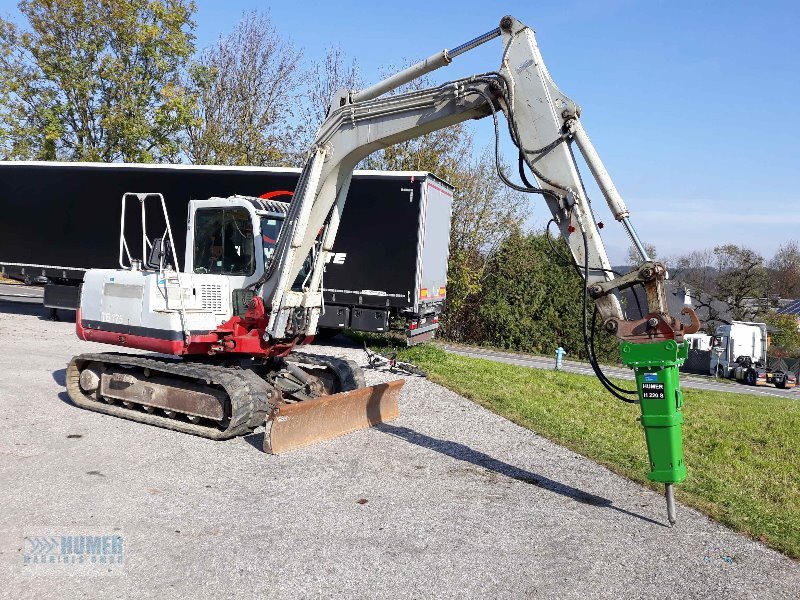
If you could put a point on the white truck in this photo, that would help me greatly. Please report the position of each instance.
(739, 351)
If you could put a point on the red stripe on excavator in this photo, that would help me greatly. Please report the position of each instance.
(269, 195)
(132, 341)
(249, 343)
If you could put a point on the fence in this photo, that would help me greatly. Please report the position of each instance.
(699, 362)
(784, 364)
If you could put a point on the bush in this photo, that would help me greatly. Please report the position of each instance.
(530, 301)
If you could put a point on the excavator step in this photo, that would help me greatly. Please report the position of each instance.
(293, 426)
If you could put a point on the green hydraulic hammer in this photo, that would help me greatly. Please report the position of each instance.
(657, 380)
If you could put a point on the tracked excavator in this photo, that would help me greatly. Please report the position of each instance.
(225, 328)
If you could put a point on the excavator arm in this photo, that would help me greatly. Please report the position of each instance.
(544, 124)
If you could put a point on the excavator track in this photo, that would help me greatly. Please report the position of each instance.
(249, 397)
(304, 399)
(349, 374)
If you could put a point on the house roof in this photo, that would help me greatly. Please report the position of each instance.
(793, 308)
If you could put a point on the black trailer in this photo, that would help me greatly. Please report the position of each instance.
(389, 262)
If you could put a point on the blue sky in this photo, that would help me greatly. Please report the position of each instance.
(690, 104)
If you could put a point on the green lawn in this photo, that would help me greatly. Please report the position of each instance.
(742, 451)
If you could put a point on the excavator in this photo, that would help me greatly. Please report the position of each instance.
(222, 332)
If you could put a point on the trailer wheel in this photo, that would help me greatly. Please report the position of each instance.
(750, 377)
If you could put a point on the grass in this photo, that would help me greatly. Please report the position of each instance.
(742, 451)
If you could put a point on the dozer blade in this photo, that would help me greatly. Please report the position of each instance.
(296, 425)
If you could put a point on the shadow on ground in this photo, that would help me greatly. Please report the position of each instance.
(465, 453)
(256, 440)
(35, 309)
(60, 377)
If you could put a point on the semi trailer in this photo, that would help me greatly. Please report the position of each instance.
(388, 268)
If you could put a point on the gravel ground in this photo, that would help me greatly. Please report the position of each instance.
(449, 500)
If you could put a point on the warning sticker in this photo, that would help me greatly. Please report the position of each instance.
(653, 391)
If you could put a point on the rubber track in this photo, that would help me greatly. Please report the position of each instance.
(246, 391)
(349, 374)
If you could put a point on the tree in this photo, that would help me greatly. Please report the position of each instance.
(485, 212)
(727, 283)
(785, 265)
(742, 281)
(786, 340)
(697, 269)
(95, 80)
(531, 301)
(633, 254)
(247, 86)
(323, 79)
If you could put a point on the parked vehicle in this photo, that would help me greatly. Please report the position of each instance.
(739, 351)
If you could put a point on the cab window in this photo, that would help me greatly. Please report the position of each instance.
(270, 229)
(223, 241)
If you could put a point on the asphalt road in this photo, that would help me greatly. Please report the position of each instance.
(448, 501)
(21, 293)
(687, 380)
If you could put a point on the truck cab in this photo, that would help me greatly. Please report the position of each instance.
(738, 339)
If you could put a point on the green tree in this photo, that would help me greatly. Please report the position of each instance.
(532, 302)
(786, 340)
(95, 80)
(247, 87)
(485, 212)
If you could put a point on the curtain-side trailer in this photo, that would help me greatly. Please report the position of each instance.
(389, 265)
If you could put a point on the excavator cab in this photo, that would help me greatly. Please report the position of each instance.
(225, 243)
(232, 377)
